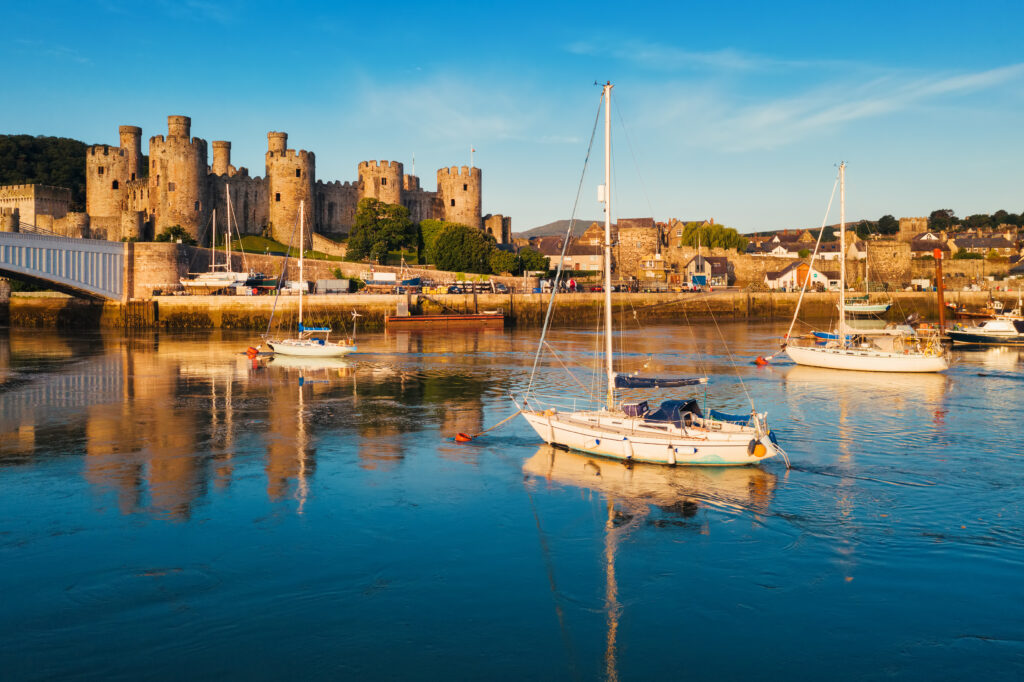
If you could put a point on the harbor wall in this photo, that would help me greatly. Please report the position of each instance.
(584, 309)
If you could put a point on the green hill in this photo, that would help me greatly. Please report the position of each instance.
(58, 161)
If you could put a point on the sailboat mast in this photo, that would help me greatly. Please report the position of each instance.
(227, 231)
(213, 247)
(842, 253)
(608, 243)
(302, 277)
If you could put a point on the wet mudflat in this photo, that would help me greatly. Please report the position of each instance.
(170, 509)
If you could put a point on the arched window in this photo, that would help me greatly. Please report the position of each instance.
(113, 185)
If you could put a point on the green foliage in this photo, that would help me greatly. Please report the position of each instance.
(803, 253)
(966, 255)
(713, 236)
(888, 225)
(462, 248)
(992, 254)
(533, 261)
(175, 233)
(942, 219)
(58, 161)
(864, 229)
(430, 230)
(504, 261)
(380, 228)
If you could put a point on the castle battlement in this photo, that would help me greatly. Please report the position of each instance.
(336, 184)
(459, 172)
(394, 165)
(105, 148)
(195, 142)
(292, 154)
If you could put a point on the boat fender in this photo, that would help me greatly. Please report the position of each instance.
(751, 446)
(760, 450)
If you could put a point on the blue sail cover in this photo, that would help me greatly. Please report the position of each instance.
(628, 381)
(672, 411)
(741, 419)
(303, 328)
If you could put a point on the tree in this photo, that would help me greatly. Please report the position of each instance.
(942, 219)
(57, 161)
(712, 236)
(460, 248)
(504, 261)
(977, 221)
(803, 253)
(380, 227)
(888, 225)
(864, 229)
(533, 261)
(430, 230)
(175, 233)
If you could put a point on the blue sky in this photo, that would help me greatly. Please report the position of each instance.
(733, 110)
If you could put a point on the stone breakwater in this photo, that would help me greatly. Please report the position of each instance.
(254, 312)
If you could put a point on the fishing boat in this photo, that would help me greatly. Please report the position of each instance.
(220, 276)
(677, 432)
(312, 342)
(875, 353)
(861, 305)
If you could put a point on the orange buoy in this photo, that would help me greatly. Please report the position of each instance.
(251, 352)
(463, 437)
(760, 362)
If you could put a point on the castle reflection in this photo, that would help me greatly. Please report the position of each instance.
(160, 423)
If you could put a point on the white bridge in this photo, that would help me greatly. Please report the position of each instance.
(84, 267)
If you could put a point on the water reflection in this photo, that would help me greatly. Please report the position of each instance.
(161, 422)
(646, 495)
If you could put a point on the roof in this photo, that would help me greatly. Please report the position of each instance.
(576, 249)
(548, 246)
(719, 264)
(983, 243)
(635, 222)
(928, 245)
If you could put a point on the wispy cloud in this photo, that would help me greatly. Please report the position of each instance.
(780, 121)
(52, 51)
(661, 57)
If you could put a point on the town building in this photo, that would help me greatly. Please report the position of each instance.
(792, 277)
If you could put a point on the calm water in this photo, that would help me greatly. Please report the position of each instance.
(168, 510)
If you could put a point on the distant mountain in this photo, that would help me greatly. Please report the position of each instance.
(557, 228)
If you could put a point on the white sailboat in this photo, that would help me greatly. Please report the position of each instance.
(312, 342)
(886, 353)
(676, 433)
(220, 276)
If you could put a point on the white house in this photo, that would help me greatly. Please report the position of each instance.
(791, 278)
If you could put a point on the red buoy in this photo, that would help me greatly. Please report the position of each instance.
(463, 437)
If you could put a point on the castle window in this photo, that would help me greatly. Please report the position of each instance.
(170, 186)
(113, 185)
(383, 181)
(453, 202)
(197, 206)
(100, 171)
(298, 172)
(465, 188)
(133, 176)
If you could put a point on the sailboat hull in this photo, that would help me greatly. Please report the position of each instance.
(310, 348)
(624, 438)
(866, 361)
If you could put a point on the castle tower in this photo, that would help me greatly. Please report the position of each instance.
(107, 171)
(458, 190)
(290, 179)
(177, 178)
(221, 157)
(381, 180)
(131, 143)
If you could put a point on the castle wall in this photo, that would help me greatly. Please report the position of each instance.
(422, 205)
(107, 170)
(248, 203)
(336, 207)
(10, 219)
(34, 201)
(910, 227)
(459, 190)
(499, 227)
(177, 178)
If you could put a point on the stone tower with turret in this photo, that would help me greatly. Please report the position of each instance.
(177, 178)
(290, 178)
(459, 193)
(109, 169)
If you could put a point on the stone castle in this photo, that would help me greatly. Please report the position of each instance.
(130, 198)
